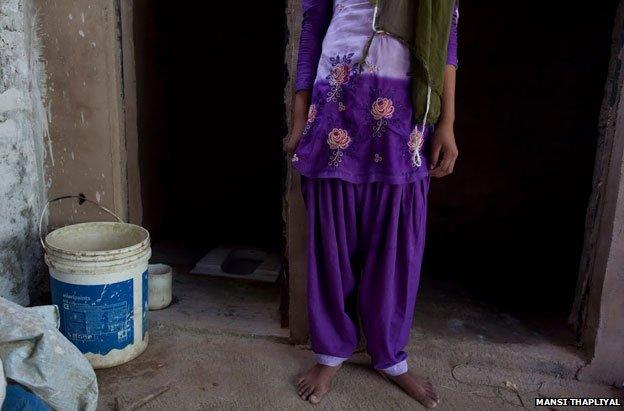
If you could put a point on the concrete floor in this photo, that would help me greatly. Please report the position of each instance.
(220, 347)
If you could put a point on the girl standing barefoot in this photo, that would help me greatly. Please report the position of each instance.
(374, 113)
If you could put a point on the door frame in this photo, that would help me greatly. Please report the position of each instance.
(129, 95)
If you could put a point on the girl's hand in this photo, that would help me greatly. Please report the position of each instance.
(443, 148)
(300, 114)
(443, 151)
(291, 141)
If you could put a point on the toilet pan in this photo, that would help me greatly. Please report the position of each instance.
(239, 262)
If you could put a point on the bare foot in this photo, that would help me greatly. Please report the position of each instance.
(418, 388)
(315, 383)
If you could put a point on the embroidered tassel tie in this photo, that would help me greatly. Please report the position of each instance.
(369, 42)
(419, 135)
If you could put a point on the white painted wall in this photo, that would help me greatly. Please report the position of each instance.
(23, 136)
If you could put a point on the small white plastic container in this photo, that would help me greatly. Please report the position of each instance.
(160, 286)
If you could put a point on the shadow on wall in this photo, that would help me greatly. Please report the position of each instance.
(510, 223)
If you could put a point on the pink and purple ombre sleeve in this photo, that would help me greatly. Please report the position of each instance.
(316, 17)
(451, 56)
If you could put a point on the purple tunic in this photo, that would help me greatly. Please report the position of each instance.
(360, 126)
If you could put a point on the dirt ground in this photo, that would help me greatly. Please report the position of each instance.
(220, 347)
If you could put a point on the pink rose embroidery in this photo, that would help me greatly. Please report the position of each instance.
(339, 75)
(382, 108)
(338, 140)
(414, 145)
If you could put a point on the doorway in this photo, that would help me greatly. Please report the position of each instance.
(210, 81)
(505, 231)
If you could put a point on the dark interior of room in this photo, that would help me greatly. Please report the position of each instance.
(210, 106)
(507, 228)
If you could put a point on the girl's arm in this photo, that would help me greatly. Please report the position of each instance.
(444, 149)
(451, 55)
(316, 18)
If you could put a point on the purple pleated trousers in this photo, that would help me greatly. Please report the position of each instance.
(365, 247)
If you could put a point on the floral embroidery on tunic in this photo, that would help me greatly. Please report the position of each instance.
(312, 111)
(339, 76)
(382, 110)
(414, 145)
(295, 158)
(372, 68)
(377, 158)
(338, 140)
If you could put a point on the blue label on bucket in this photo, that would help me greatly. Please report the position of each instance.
(145, 302)
(96, 318)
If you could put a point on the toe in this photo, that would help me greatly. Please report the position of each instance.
(429, 402)
(318, 394)
(302, 388)
(309, 390)
(303, 383)
(431, 392)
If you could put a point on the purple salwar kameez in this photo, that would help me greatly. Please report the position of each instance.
(365, 183)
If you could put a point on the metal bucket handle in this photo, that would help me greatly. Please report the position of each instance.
(81, 198)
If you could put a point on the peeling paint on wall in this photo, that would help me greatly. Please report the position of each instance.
(23, 136)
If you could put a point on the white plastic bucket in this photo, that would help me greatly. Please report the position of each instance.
(99, 281)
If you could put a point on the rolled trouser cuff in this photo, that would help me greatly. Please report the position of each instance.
(329, 360)
(397, 369)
